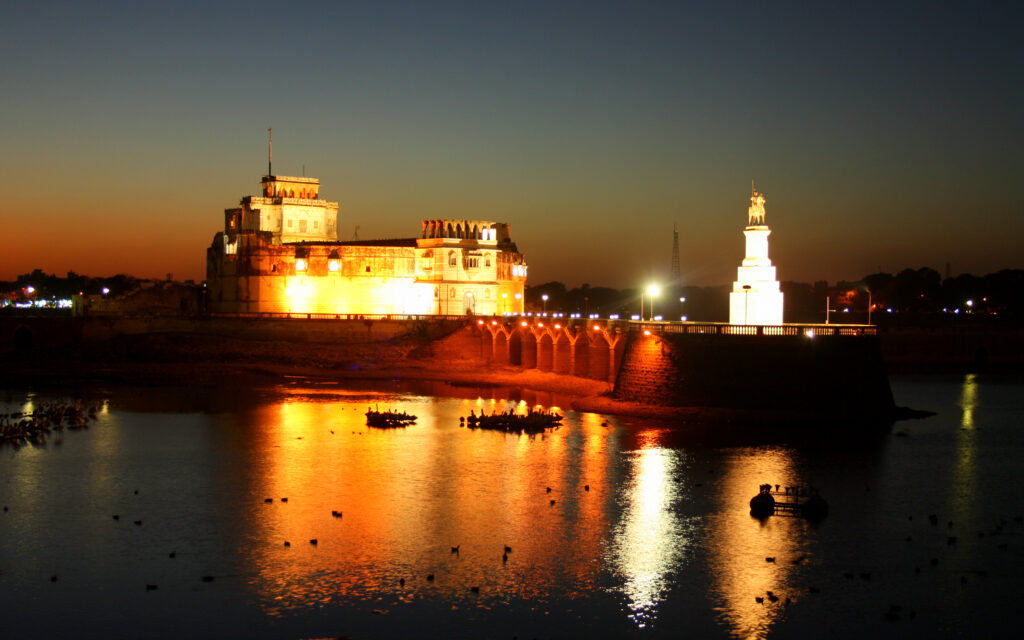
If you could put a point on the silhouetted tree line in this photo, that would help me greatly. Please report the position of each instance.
(48, 285)
(912, 296)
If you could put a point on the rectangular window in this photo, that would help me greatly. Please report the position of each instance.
(289, 223)
(302, 226)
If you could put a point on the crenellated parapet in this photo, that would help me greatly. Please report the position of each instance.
(484, 231)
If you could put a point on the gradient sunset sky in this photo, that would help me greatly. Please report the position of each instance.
(883, 135)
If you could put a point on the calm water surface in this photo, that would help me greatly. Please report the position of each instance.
(661, 544)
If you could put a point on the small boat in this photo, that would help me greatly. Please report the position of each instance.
(798, 501)
(388, 419)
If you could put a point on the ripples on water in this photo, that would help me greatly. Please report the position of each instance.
(662, 542)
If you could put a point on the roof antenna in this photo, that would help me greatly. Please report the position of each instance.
(270, 152)
(355, 234)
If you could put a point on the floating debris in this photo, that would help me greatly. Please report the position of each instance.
(531, 422)
(32, 427)
(388, 419)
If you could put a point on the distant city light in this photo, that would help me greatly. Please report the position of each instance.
(635, 316)
(30, 289)
(106, 290)
(970, 303)
(614, 316)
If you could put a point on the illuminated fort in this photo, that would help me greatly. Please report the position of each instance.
(279, 253)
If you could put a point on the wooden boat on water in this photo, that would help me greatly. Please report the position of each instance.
(388, 419)
(532, 422)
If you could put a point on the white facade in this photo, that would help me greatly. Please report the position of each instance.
(290, 209)
(755, 298)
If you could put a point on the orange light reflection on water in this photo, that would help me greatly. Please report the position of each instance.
(738, 545)
(409, 495)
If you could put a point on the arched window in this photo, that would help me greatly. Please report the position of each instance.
(452, 259)
(449, 233)
(487, 261)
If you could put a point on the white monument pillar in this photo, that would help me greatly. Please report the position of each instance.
(755, 298)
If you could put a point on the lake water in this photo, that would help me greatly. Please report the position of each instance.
(661, 544)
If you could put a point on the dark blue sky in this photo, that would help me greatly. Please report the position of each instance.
(883, 135)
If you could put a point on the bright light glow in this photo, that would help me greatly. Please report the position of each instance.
(540, 324)
(809, 333)
(558, 326)
(970, 303)
(596, 327)
(635, 316)
(657, 318)
(682, 299)
(504, 295)
(614, 316)
(682, 318)
(30, 290)
(653, 290)
(106, 290)
(332, 265)
(523, 323)
(494, 322)
(647, 332)
(479, 321)
(519, 296)
(300, 265)
(544, 297)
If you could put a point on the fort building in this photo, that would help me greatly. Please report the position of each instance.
(279, 253)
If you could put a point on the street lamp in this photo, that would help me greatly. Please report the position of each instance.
(545, 299)
(652, 291)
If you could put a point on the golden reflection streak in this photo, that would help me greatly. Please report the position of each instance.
(409, 495)
(738, 544)
(649, 542)
(963, 486)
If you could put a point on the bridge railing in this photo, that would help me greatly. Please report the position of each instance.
(724, 329)
(335, 316)
(661, 327)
